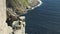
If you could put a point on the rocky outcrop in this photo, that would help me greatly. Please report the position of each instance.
(22, 6)
(19, 7)
(4, 28)
(19, 26)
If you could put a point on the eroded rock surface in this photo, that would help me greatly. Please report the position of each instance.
(4, 28)
(19, 8)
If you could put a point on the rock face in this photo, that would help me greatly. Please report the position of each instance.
(19, 26)
(22, 6)
(19, 7)
(4, 28)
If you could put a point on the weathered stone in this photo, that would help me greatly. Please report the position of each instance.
(4, 28)
(19, 28)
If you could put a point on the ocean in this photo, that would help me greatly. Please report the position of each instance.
(44, 19)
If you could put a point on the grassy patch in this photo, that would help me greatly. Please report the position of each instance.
(25, 2)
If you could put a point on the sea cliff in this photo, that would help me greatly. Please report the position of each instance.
(19, 7)
(22, 6)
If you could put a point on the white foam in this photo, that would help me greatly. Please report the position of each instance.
(40, 3)
(22, 17)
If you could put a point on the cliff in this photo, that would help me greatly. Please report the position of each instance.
(22, 6)
(10, 15)
(4, 28)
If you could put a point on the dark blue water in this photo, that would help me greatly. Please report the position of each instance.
(44, 19)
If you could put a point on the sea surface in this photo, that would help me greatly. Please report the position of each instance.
(44, 19)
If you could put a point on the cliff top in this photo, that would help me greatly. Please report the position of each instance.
(22, 6)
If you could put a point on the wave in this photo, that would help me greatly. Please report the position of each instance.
(40, 3)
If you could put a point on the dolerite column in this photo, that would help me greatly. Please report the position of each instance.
(4, 29)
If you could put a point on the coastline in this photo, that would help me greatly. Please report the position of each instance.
(40, 3)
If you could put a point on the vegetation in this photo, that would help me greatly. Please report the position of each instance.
(25, 2)
(17, 3)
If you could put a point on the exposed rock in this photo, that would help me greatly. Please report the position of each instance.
(4, 28)
(19, 26)
(22, 6)
(19, 7)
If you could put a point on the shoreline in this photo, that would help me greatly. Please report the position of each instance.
(40, 3)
